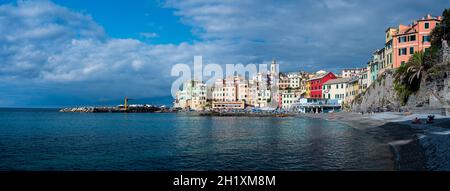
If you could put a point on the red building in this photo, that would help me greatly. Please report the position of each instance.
(316, 83)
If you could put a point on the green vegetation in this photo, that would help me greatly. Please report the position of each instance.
(408, 76)
(346, 106)
(403, 92)
(440, 32)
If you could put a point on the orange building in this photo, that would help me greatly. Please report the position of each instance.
(413, 38)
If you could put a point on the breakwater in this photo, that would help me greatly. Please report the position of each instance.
(117, 109)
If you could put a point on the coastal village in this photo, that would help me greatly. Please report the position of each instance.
(319, 92)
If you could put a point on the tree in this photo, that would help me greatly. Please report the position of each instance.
(415, 67)
(439, 33)
(408, 76)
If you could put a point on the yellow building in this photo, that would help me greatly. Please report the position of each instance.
(388, 50)
(308, 89)
(352, 90)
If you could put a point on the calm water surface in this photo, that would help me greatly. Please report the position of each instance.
(38, 139)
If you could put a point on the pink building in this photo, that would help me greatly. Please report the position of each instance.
(413, 38)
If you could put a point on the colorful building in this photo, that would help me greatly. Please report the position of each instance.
(231, 89)
(316, 83)
(351, 72)
(316, 105)
(375, 65)
(363, 81)
(283, 82)
(335, 89)
(259, 91)
(288, 97)
(352, 89)
(413, 38)
(308, 89)
(193, 95)
(388, 48)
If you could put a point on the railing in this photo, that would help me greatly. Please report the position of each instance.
(315, 104)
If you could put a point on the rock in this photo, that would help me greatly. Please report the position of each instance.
(378, 96)
(433, 95)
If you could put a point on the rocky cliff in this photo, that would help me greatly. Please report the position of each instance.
(379, 96)
(432, 97)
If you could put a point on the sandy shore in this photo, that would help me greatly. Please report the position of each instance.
(415, 147)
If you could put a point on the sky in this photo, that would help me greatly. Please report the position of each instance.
(65, 53)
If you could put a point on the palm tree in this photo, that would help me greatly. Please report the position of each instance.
(416, 66)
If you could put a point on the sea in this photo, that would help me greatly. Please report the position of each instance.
(47, 140)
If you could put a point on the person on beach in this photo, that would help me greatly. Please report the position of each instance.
(430, 119)
(416, 121)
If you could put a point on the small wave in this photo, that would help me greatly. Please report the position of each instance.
(421, 136)
(401, 142)
(440, 133)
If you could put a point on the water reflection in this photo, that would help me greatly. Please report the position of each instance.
(65, 141)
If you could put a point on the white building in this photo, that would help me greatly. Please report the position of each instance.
(288, 97)
(352, 72)
(193, 95)
(231, 89)
(335, 89)
(363, 81)
(297, 80)
(259, 93)
(292, 86)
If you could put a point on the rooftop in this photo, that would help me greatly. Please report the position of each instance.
(338, 81)
(407, 29)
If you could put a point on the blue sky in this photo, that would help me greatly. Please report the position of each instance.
(95, 52)
(125, 19)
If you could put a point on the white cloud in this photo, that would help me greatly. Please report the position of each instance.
(308, 34)
(56, 50)
(149, 35)
(50, 46)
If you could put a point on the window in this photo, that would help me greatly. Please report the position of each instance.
(342, 85)
(426, 39)
(411, 50)
(402, 51)
(427, 25)
(337, 86)
(402, 39)
(412, 38)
